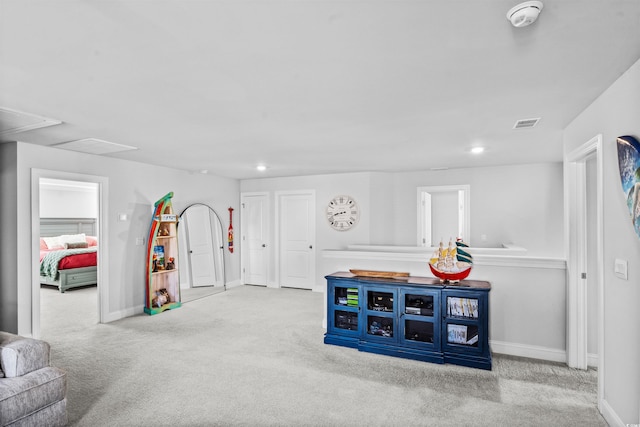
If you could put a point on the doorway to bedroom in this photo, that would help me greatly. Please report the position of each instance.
(68, 255)
(68, 284)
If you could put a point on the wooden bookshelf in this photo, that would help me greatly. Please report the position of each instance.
(163, 278)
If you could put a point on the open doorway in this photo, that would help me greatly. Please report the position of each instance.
(443, 214)
(585, 265)
(67, 217)
(68, 255)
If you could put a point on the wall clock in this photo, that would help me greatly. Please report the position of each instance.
(342, 213)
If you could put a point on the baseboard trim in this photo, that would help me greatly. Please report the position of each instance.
(530, 351)
(610, 415)
(233, 284)
(121, 314)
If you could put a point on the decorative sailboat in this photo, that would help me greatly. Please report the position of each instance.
(453, 263)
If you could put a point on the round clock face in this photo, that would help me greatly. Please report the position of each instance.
(342, 213)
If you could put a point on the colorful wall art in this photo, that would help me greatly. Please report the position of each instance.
(629, 164)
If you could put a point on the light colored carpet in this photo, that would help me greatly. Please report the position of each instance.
(192, 294)
(255, 356)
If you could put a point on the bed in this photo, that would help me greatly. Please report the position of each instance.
(68, 252)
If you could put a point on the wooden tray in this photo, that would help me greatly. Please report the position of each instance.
(380, 274)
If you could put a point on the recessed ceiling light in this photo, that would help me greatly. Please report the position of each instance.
(477, 150)
(261, 168)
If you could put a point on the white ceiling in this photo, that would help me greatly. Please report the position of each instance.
(311, 86)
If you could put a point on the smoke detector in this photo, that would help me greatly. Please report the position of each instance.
(525, 13)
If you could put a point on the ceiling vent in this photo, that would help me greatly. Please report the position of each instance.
(526, 123)
(12, 121)
(94, 146)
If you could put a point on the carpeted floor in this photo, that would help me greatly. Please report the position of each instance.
(255, 356)
(192, 294)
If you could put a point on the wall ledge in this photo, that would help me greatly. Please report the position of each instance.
(478, 259)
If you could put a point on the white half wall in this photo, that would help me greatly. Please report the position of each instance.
(526, 302)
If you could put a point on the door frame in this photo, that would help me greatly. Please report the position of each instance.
(103, 244)
(576, 255)
(244, 248)
(278, 231)
(464, 212)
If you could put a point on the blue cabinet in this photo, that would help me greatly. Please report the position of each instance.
(415, 318)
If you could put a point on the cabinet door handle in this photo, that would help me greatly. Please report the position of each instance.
(310, 246)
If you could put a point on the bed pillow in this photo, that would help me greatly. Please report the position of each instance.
(92, 240)
(78, 245)
(43, 245)
(73, 238)
(53, 242)
(58, 242)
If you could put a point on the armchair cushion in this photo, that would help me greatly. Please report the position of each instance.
(20, 355)
(39, 395)
(32, 393)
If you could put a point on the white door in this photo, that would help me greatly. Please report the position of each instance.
(200, 247)
(296, 220)
(425, 215)
(255, 235)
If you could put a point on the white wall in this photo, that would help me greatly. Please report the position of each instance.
(520, 204)
(615, 113)
(444, 219)
(133, 189)
(9, 256)
(65, 199)
(357, 185)
(382, 200)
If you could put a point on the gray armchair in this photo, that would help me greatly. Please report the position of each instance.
(32, 393)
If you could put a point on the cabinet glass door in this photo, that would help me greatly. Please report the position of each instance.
(460, 307)
(344, 310)
(465, 335)
(464, 316)
(381, 308)
(346, 296)
(419, 312)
